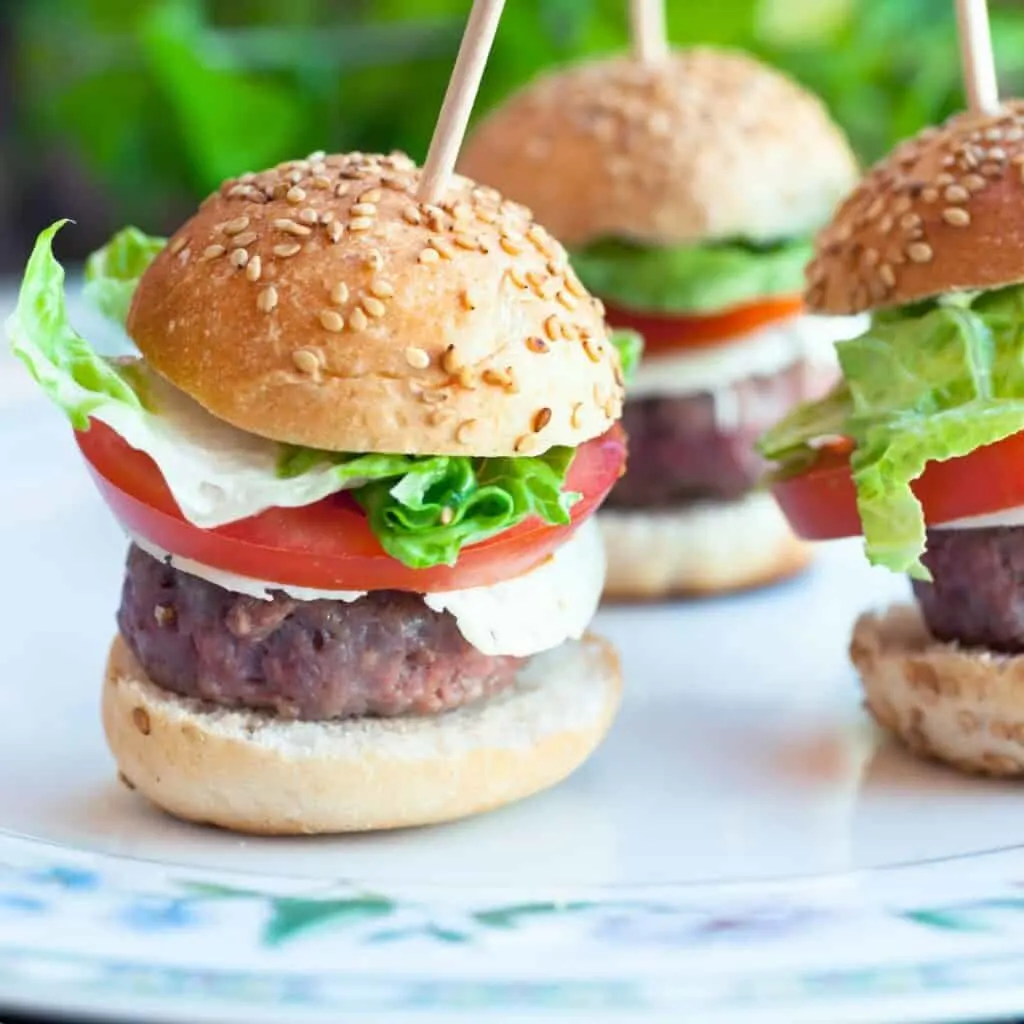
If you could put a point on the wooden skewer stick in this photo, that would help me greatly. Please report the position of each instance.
(979, 66)
(650, 37)
(459, 99)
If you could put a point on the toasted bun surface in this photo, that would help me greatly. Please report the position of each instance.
(706, 144)
(942, 212)
(703, 549)
(252, 772)
(319, 303)
(963, 706)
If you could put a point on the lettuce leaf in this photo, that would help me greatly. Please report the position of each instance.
(630, 346)
(926, 384)
(423, 509)
(690, 278)
(112, 273)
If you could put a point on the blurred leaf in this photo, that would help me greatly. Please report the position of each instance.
(231, 122)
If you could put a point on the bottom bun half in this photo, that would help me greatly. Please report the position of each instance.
(252, 772)
(710, 548)
(960, 705)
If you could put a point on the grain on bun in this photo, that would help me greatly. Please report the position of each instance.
(960, 705)
(321, 304)
(941, 213)
(707, 144)
(251, 771)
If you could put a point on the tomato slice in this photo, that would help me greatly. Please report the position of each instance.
(821, 504)
(671, 333)
(328, 545)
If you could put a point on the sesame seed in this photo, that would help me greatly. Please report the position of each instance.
(342, 189)
(510, 245)
(902, 204)
(236, 226)
(567, 300)
(443, 246)
(335, 230)
(374, 195)
(449, 361)
(291, 227)
(885, 272)
(254, 268)
(339, 293)
(944, 179)
(239, 257)
(537, 344)
(284, 251)
(411, 215)
(541, 418)
(374, 307)
(551, 327)
(382, 289)
(525, 444)
(515, 275)
(428, 255)
(364, 210)
(549, 289)
(246, 238)
(296, 195)
(326, 217)
(496, 378)
(462, 431)
(309, 216)
(331, 321)
(321, 181)
(997, 153)
(306, 361)
(360, 224)
(592, 351)
(434, 397)
(576, 420)
(991, 170)
(486, 216)
(909, 221)
(956, 194)
(374, 260)
(417, 358)
(930, 195)
(267, 299)
(357, 320)
(470, 299)
(875, 208)
(574, 286)
(956, 216)
(178, 244)
(920, 252)
(465, 241)
(211, 252)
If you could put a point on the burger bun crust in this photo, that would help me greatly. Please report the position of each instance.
(252, 772)
(958, 705)
(703, 549)
(321, 304)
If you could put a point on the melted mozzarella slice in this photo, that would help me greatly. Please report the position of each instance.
(765, 351)
(521, 616)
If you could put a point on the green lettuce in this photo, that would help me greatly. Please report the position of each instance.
(922, 384)
(112, 273)
(698, 279)
(423, 509)
(630, 346)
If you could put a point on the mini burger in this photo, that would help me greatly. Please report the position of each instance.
(687, 191)
(358, 459)
(920, 447)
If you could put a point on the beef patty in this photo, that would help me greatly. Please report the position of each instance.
(976, 595)
(385, 654)
(683, 449)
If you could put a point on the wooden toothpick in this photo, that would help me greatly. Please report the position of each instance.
(459, 99)
(650, 37)
(979, 66)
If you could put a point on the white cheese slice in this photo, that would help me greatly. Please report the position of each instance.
(521, 616)
(765, 351)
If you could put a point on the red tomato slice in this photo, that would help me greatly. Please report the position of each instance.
(671, 333)
(329, 546)
(820, 503)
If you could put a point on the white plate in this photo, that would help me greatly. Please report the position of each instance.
(742, 848)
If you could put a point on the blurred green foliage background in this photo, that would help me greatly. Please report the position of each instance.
(129, 110)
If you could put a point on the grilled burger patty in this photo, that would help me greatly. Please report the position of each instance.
(384, 654)
(701, 447)
(976, 596)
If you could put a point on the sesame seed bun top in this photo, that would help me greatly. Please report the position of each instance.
(941, 213)
(707, 144)
(319, 303)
